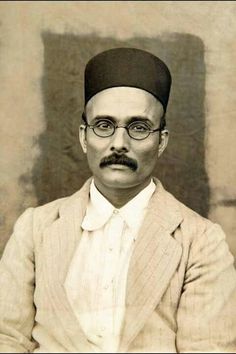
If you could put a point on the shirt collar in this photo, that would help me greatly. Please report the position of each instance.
(134, 210)
(100, 210)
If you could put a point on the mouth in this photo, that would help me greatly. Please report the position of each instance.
(118, 166)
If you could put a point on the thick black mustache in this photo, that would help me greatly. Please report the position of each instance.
(115, 159)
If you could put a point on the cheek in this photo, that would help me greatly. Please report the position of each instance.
(94, 143)
(95, 150)
(93, 154)
(148, 153)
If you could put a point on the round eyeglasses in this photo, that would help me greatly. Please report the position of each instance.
(137, 130)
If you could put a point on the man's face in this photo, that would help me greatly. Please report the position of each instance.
(122, 105)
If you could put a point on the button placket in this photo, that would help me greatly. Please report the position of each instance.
(112, 254)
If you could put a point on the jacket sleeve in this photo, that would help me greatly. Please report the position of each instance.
(17, 310)
(207, 309)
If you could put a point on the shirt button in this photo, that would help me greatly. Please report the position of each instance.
(116, 211)
(110, 249)
(106, 287)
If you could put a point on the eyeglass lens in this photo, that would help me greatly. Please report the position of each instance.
(137, 130)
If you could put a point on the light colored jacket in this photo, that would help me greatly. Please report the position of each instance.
(181, 287)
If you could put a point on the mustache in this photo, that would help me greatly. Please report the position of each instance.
(115, 159)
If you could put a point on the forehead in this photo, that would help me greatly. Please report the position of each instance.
(122, 102)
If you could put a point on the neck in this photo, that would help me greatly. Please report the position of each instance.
(120, 196)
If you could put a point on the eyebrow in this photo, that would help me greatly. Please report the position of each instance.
(129, 119)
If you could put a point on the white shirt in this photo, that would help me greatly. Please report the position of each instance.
(96, 280)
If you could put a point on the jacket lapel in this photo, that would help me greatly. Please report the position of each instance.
(60, 242)
(153, 263)
(154, 260)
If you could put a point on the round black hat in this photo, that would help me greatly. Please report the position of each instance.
(127, 67)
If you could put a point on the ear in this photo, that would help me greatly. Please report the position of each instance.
(82, 137)
(164, 138)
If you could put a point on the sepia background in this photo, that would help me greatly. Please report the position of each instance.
(44, 47)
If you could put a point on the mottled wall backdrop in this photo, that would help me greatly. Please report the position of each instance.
(43, 50)
(61, 168)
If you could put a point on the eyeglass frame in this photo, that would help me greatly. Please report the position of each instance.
(126, 127)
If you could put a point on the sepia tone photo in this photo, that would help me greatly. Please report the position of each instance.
(117, 177)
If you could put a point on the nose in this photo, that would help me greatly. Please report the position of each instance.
(120, 140)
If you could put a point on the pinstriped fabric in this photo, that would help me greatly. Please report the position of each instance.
(181, 289)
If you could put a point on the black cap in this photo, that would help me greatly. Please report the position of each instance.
(128, 67)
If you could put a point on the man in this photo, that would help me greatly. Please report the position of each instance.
(121, 265)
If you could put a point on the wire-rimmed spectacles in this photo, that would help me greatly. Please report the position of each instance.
(137, 130)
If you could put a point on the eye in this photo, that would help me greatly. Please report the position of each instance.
(104, 125)
(139, 127)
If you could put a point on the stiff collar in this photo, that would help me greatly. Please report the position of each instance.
(100, 210)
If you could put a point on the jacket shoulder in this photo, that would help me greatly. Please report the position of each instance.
(193, 218)
(197, 228)
(50, 207)
(193, 225)
(46, 214)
